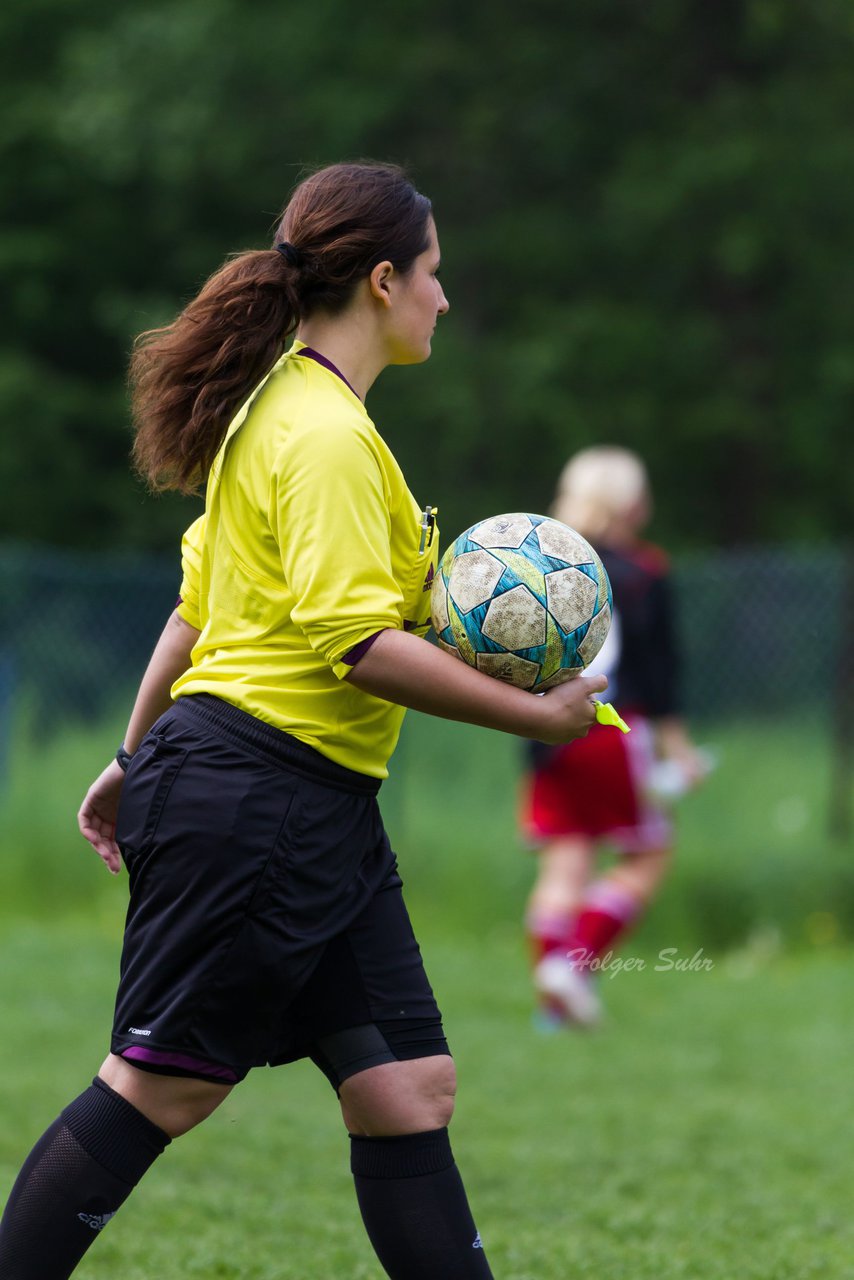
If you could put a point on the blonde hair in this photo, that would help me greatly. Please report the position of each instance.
(598, 487)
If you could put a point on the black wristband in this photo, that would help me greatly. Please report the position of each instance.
(124, 758)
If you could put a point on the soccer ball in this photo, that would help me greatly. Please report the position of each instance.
(523, 598)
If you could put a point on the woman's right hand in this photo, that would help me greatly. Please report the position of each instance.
(97, 816)
(568, 711)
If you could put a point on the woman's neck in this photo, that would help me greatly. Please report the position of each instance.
(347, 344)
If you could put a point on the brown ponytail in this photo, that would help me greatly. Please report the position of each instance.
(189, 378)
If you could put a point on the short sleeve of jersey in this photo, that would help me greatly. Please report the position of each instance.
(191, 569)
(329, 509)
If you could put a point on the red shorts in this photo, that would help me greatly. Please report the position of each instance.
(594, 788)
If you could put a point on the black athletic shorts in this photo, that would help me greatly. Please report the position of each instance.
(266, 920)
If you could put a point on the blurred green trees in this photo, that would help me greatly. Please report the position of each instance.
(646, 213)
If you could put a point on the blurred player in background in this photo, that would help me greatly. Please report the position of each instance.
(607, 790)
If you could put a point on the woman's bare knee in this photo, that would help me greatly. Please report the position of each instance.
(400, 1097)
(174, 1103)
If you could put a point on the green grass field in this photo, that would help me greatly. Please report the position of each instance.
(701, 1133)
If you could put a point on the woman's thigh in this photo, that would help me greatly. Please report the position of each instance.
(174, 1103)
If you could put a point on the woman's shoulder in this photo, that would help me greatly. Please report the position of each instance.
(294, 406)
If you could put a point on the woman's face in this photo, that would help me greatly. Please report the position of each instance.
(417, 301)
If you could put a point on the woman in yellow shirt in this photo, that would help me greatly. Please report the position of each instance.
(266, 921)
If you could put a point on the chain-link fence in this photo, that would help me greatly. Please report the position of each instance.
(766, 635)
(74, 629)
(763, 630)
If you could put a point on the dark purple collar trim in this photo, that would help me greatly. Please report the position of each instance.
(327, 364)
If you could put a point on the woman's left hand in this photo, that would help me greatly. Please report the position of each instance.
(97, 816)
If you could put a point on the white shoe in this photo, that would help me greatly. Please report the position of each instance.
(564, 984)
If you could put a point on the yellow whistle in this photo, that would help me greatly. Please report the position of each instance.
(606, 714)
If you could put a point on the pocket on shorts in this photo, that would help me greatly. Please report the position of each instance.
(150, 778)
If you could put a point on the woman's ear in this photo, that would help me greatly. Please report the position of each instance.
(380, 282)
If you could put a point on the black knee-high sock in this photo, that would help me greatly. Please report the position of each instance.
(414, 1208)
(75, 1178)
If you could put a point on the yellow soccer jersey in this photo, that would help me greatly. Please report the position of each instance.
(310, 543)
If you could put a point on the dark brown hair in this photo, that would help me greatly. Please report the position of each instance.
(189, 378)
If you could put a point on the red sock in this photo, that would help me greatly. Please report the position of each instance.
(607, 910)
(548, 931)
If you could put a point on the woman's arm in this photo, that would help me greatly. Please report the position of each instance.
(403, 668)
(673, 742)
(171, 657)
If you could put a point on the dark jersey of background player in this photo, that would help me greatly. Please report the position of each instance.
(647, 673)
